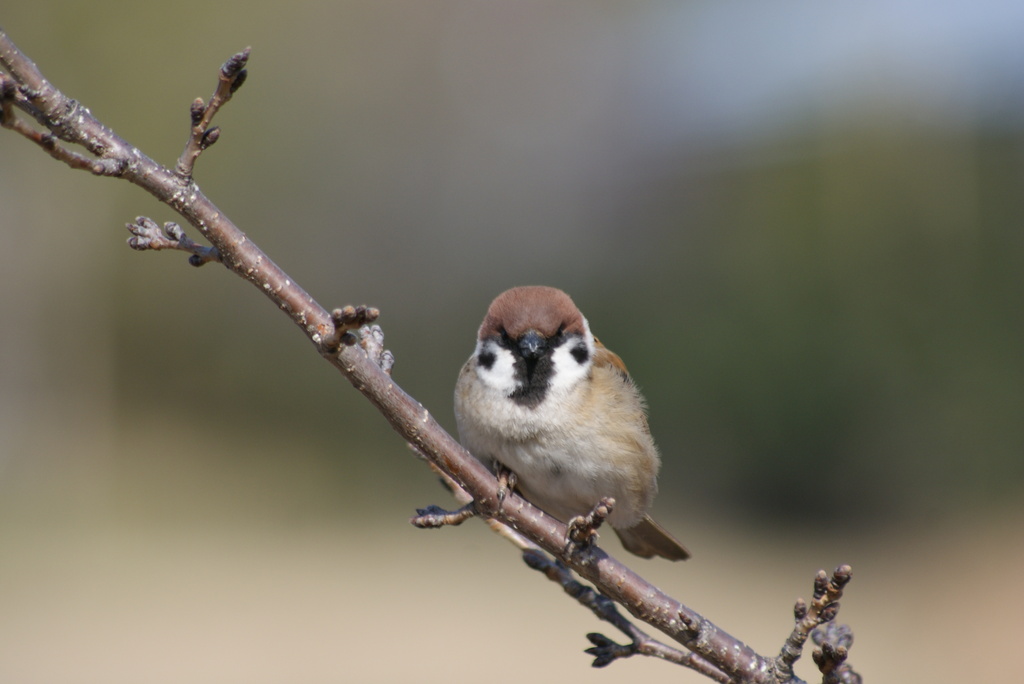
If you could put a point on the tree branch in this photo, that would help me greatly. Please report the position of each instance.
(605, 651)
(359, 354)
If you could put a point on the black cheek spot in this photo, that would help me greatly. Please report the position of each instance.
(580, 353)
(486, 359)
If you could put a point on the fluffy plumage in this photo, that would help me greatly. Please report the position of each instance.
(543, 397)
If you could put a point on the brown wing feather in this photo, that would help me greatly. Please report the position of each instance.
(603, 356)
(648, 539)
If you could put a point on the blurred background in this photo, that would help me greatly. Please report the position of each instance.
(801, 226)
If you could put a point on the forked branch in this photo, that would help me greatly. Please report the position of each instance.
(823, 608)
(146, 234)
(345, 340)
(232, 76)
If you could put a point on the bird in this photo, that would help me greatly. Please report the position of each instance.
(542, 399)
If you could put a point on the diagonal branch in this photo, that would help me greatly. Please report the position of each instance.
(364, 364)
(604, 649)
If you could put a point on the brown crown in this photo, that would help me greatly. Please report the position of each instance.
(544, 309)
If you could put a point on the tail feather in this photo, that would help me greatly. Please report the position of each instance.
(648, 539)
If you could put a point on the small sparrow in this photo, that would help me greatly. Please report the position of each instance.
(542, 398)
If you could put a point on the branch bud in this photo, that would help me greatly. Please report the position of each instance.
(211, 136)
(234, 65)
(820, 584)
(829, 612)
(174, 231)
(239, 80)
(139, 243)
(197, 110)
(842, 576)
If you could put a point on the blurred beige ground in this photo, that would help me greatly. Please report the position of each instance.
(87, 598)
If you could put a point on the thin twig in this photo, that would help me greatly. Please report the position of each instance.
(348, 319)
(201, 136)
(10, 97)
(823, 608)
(433, 517)
(462, 496)
(146, 234)
(605, 651)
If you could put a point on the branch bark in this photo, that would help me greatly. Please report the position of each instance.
(364, 362)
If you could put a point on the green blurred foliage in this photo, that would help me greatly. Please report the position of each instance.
(856, 346)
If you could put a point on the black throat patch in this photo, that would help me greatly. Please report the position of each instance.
(533, 375)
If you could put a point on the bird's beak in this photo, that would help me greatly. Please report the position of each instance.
(532, 345)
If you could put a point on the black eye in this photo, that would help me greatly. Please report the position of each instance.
(559, 337)
(580, 353)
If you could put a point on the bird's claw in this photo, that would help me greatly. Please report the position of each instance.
(507, 482)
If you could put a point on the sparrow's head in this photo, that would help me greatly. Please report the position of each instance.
(533, 341)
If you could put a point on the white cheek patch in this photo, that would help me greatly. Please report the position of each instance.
(572, 367)
(501, 374)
